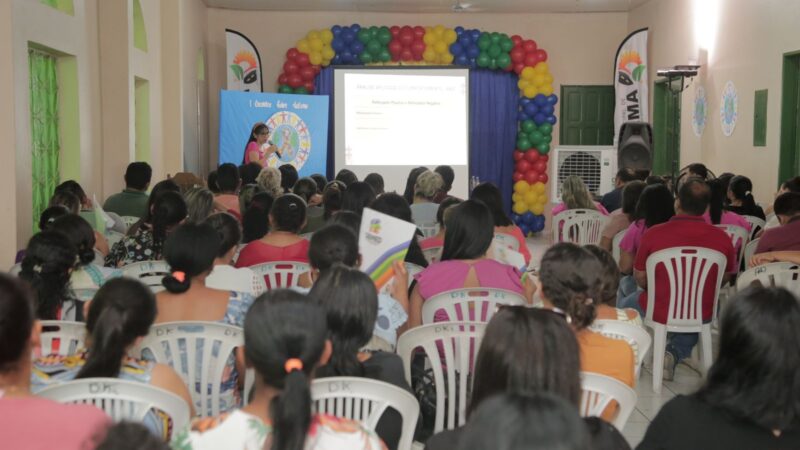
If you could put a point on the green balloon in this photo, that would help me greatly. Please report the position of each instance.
(503, 60)
(283, 89)
(384, 56)
(496, 38)
(535, 137)
(301, 90)
(483, 60)
(523, 143)
(546, 128)
(494, 50)
(363, 35)
(507, 44)
(528, 126)
(484, 41)
(366, 57)
(547, 138)
(543, 148)
(493, 64)
(384, 35)
(374, 46)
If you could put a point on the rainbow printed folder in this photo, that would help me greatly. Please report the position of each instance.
(383, 240)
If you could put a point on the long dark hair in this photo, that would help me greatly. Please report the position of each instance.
(609, 276)
(396, 206)
(288, 213)
(350, 301)
(469, 231)
(78, 231)
(630, 196)
(490, 196)
(50, 214)
(190, 249)
(332, 197)
(570, 277)
(742, 189)
(357, 196)
(333, 244)
(717, 200)
(284, 325)
(16, 326)
(228, 230)
(289, 177)
(255, 220)
(160, 188)
(306, 188)
(121, 311)
(411, 181)
(526, 350)
(754, 378)
(257, 129)
(168, 211)
(656, 205)
(48, 260)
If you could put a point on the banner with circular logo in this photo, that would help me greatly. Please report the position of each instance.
(700, 111)
(729, 109)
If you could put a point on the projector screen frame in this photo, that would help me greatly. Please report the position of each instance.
(461, 185)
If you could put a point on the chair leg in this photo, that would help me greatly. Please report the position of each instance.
(659, 347)
(705, 344)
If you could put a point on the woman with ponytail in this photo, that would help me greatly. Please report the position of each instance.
(350, 301)
(287, 217)
(168, 211)
(87, 274)
(284, 336)
(190, 252)
(47, 267)
(117, 318)
(742, 202)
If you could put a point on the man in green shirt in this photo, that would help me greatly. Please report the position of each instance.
(132, 201)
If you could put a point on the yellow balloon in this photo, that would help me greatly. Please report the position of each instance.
(522, 83)
(328, 53)
(439, 30)
(530, 91)
(546, 90)
(538, 187)
(527, 73)
(541, 68)
(520, 207)
(450, 36)
(516, 197)
(447, 58)
(537, 209)
(429, 55)
(316, 44)
(429, 38)
(303, 46)
(538, 79)
(326, 36)
(531, 198)
(315, 58)
(313, 34)
(440, 47)
(548, 79)
(521, 187)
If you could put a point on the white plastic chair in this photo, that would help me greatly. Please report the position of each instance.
(558, 220)
(366, 400)
(281, 274)
(148, 272)
(113, 237)
(307, 236)
(584, 229)
(469, 304)
(61, 337)
(412, 270)
(428, 229)
(750, 250)
(637, 337)
(99, 257)
(756, 224)
(506, 240)
(777, 274)
(236, 254)
(598, 393)
(688, 270)
(198, 351)
(121, 399)
(615, 250)
(433, 254)
(450, 348)
(129, 220)
(239, 280)
(739, 237)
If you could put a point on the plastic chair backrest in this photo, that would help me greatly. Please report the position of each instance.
(99, 257)
(763, 273)
(756, 224)
(638, 338)
(506, 240)
(366, 400)
(307, 236)
(281, 274)
(599, 391)
(148, 272)
(238, 250)
(428, 229)
(113, 237)
(121, 399)
(238, 280)
(60, 337)
(739, 237)
(198, 351)
(469, 304)
(450, 348)
(433, 254)
(129, 220)
(615, 250)
(558, 220)
(584, 229)
(750, 250)
(688, 270)
(412, 269)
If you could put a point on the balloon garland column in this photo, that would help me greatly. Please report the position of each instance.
(402, 45)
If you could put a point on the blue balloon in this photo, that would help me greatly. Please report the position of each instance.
(347, 57)
(540, 100)
(336, 60)
(539, 119)
(357, 47)
(552, 99)
(515, 217)
(456, 49)
(337, 44)
(548, 110)
(524, 101)
(336, 29)
(348, 35)
(475, 34)
(551, 119)
(531, 109)
(522, 116)
(459, 30)
(530, 219)
(473, 51)
(355, 27)
(462, 60)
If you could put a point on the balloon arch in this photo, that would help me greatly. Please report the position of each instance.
(406, 45)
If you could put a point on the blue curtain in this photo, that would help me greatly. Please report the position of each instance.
(493, 126)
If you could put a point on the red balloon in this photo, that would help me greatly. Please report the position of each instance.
(290, 68)
(531, 176)
(517, 176)
(406, 39)
(541, 55)
(295, 81)
(395, 47)
(395, 30)
(417, 56)
(406, 29)
(542, 178)
(529, 46)
(283, 79)
(406, 55)
(419, 32)
(523, 166)
(307, 73)
(509, 67)
(532, 157)
(540, 166)
(516, 39)
(518, 67)
(531, 59)
(418, 47)
(317, 69)
(302, 60)
(309, 85)
(517, 155)
(291, 53)
(517, 55)
(543, 157)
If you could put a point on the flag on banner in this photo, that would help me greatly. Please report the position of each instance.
(630, 81)
(244, 63)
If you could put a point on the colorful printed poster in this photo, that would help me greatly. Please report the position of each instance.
(630, 81)
(243, 63)
(382, 241)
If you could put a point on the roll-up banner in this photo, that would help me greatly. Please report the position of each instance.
(244, 63)
(630, 81)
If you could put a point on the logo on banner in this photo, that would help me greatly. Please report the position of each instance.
(629, 73)
(245, 69)
(291, 136)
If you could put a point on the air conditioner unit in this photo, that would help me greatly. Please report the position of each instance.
(595, 165)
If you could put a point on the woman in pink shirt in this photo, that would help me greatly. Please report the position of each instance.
(656, 205)
(31, 422)
(464, 264)
(490, 196)
(283, 243)
(259, 148)
(716, 214)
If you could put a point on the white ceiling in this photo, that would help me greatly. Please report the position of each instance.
(431, 6)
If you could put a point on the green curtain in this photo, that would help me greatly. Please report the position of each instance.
(44, 129)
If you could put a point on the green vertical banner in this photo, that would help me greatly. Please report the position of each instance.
(45, 145)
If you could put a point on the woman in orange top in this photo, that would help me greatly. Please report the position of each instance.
(570, 278)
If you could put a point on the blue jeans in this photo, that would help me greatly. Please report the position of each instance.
(628, 294)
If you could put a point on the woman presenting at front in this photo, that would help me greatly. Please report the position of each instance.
(258, 146)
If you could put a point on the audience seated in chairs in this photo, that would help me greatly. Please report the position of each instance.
(87, 274)
(255, 220)
(411, 183)
(270, 180)
(491, 197)
(448, 176)
(395, 206)
(612, 201)
(146, 220)
(47, 267)
(575, 195)
(740, 198)
(423, 209)
(375, 180)
(346, 177)
(621, 218)
(282, 243)
(441, 217)
(133, 200)
(717, 214)
(229, 182)
(357, 196)
(606, 300)
(223, 275)
(199, 204)
(787, 236)
(289, 177)
(285, 341)
(29, 421)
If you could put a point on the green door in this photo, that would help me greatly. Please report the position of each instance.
(790, 118)
(666, 130)
(587, 115)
